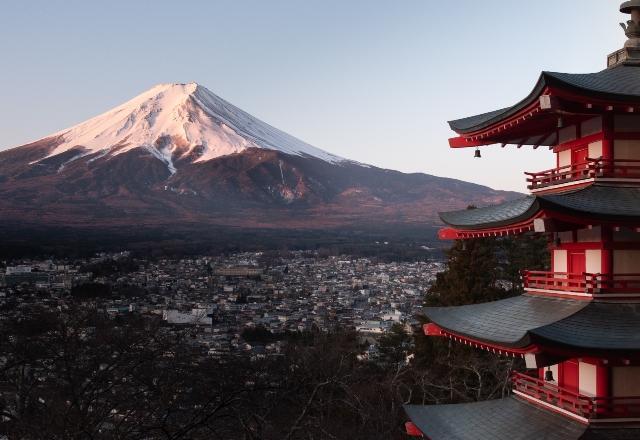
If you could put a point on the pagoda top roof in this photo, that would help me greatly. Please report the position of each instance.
(620, 84)
(527, 320)
(504, 418)
(598, 201)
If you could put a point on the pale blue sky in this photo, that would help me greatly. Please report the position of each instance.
(370, 80)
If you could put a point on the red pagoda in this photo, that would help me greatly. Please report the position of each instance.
(577, 327)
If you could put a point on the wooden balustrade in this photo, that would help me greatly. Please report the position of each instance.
(589, 407)
(592, 168)
(582, 282)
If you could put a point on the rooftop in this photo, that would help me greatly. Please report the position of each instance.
(527, 320)
(505, 419)
(604, 202)
(621, 83)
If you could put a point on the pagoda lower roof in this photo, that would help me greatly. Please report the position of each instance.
(620, 84)
(505, 419)
(598, 202)
(533, 321)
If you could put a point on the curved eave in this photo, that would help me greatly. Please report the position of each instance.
(603, 203)
(503, 324)
(476, 123)
(495, 216)
(528, 322)
(598, 327)
(505, 418)
(597, 202)
(527, 122)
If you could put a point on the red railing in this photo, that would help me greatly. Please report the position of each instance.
(582, 282)
(589, 407)
(592, 168)
(620, 168)
(559, 175)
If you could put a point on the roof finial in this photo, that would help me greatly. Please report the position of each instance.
(632, 28)
(630, 54)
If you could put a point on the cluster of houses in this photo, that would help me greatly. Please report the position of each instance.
(236, 302)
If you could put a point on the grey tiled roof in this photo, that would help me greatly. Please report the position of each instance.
(505, 419)
(597, 200)
(507, 322)
(620, 83)
(599, 326)
(492, 216)
(471, 122)
(610, 201)
(523, 320)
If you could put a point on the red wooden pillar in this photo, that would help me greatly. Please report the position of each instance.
(603, 389)
(603, 381)
(607, 142)
(571, 375)
(607, 257)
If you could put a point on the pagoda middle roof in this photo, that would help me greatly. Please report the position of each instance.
(526, 320)
(505, 419)
(595, 201)
(620, 83)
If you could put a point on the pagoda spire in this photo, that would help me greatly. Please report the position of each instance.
(630, 53)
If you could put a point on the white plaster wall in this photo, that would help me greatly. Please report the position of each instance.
(566, 237)
(554, 370)
(564, 158)
(626, 149)
(626, 123)
(625, 381)
(559, 260)
(625, 234)
(591, 126)
(567, 133)
(626, 261)
(595, 150)
(594, 260)
(587, 379)
(590, 235)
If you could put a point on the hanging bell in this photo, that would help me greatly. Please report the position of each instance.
(548, 375)
(478, 155)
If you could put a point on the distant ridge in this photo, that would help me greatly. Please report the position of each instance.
(179, 154)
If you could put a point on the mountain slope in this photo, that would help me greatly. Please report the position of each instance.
(178, 154)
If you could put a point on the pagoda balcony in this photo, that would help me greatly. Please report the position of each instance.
(591, 169)
(584, 406)
(582, 283)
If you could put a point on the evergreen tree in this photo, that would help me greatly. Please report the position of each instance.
(487, 269)
(471, 276)
(522, 252)
(395, 345)
(478, 271)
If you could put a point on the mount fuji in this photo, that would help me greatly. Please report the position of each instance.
(179, 154)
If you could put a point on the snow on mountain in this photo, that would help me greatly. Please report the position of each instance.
(176, 120)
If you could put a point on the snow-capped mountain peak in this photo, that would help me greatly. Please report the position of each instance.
(175, 120)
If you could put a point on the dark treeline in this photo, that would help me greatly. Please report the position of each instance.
(404, 242)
